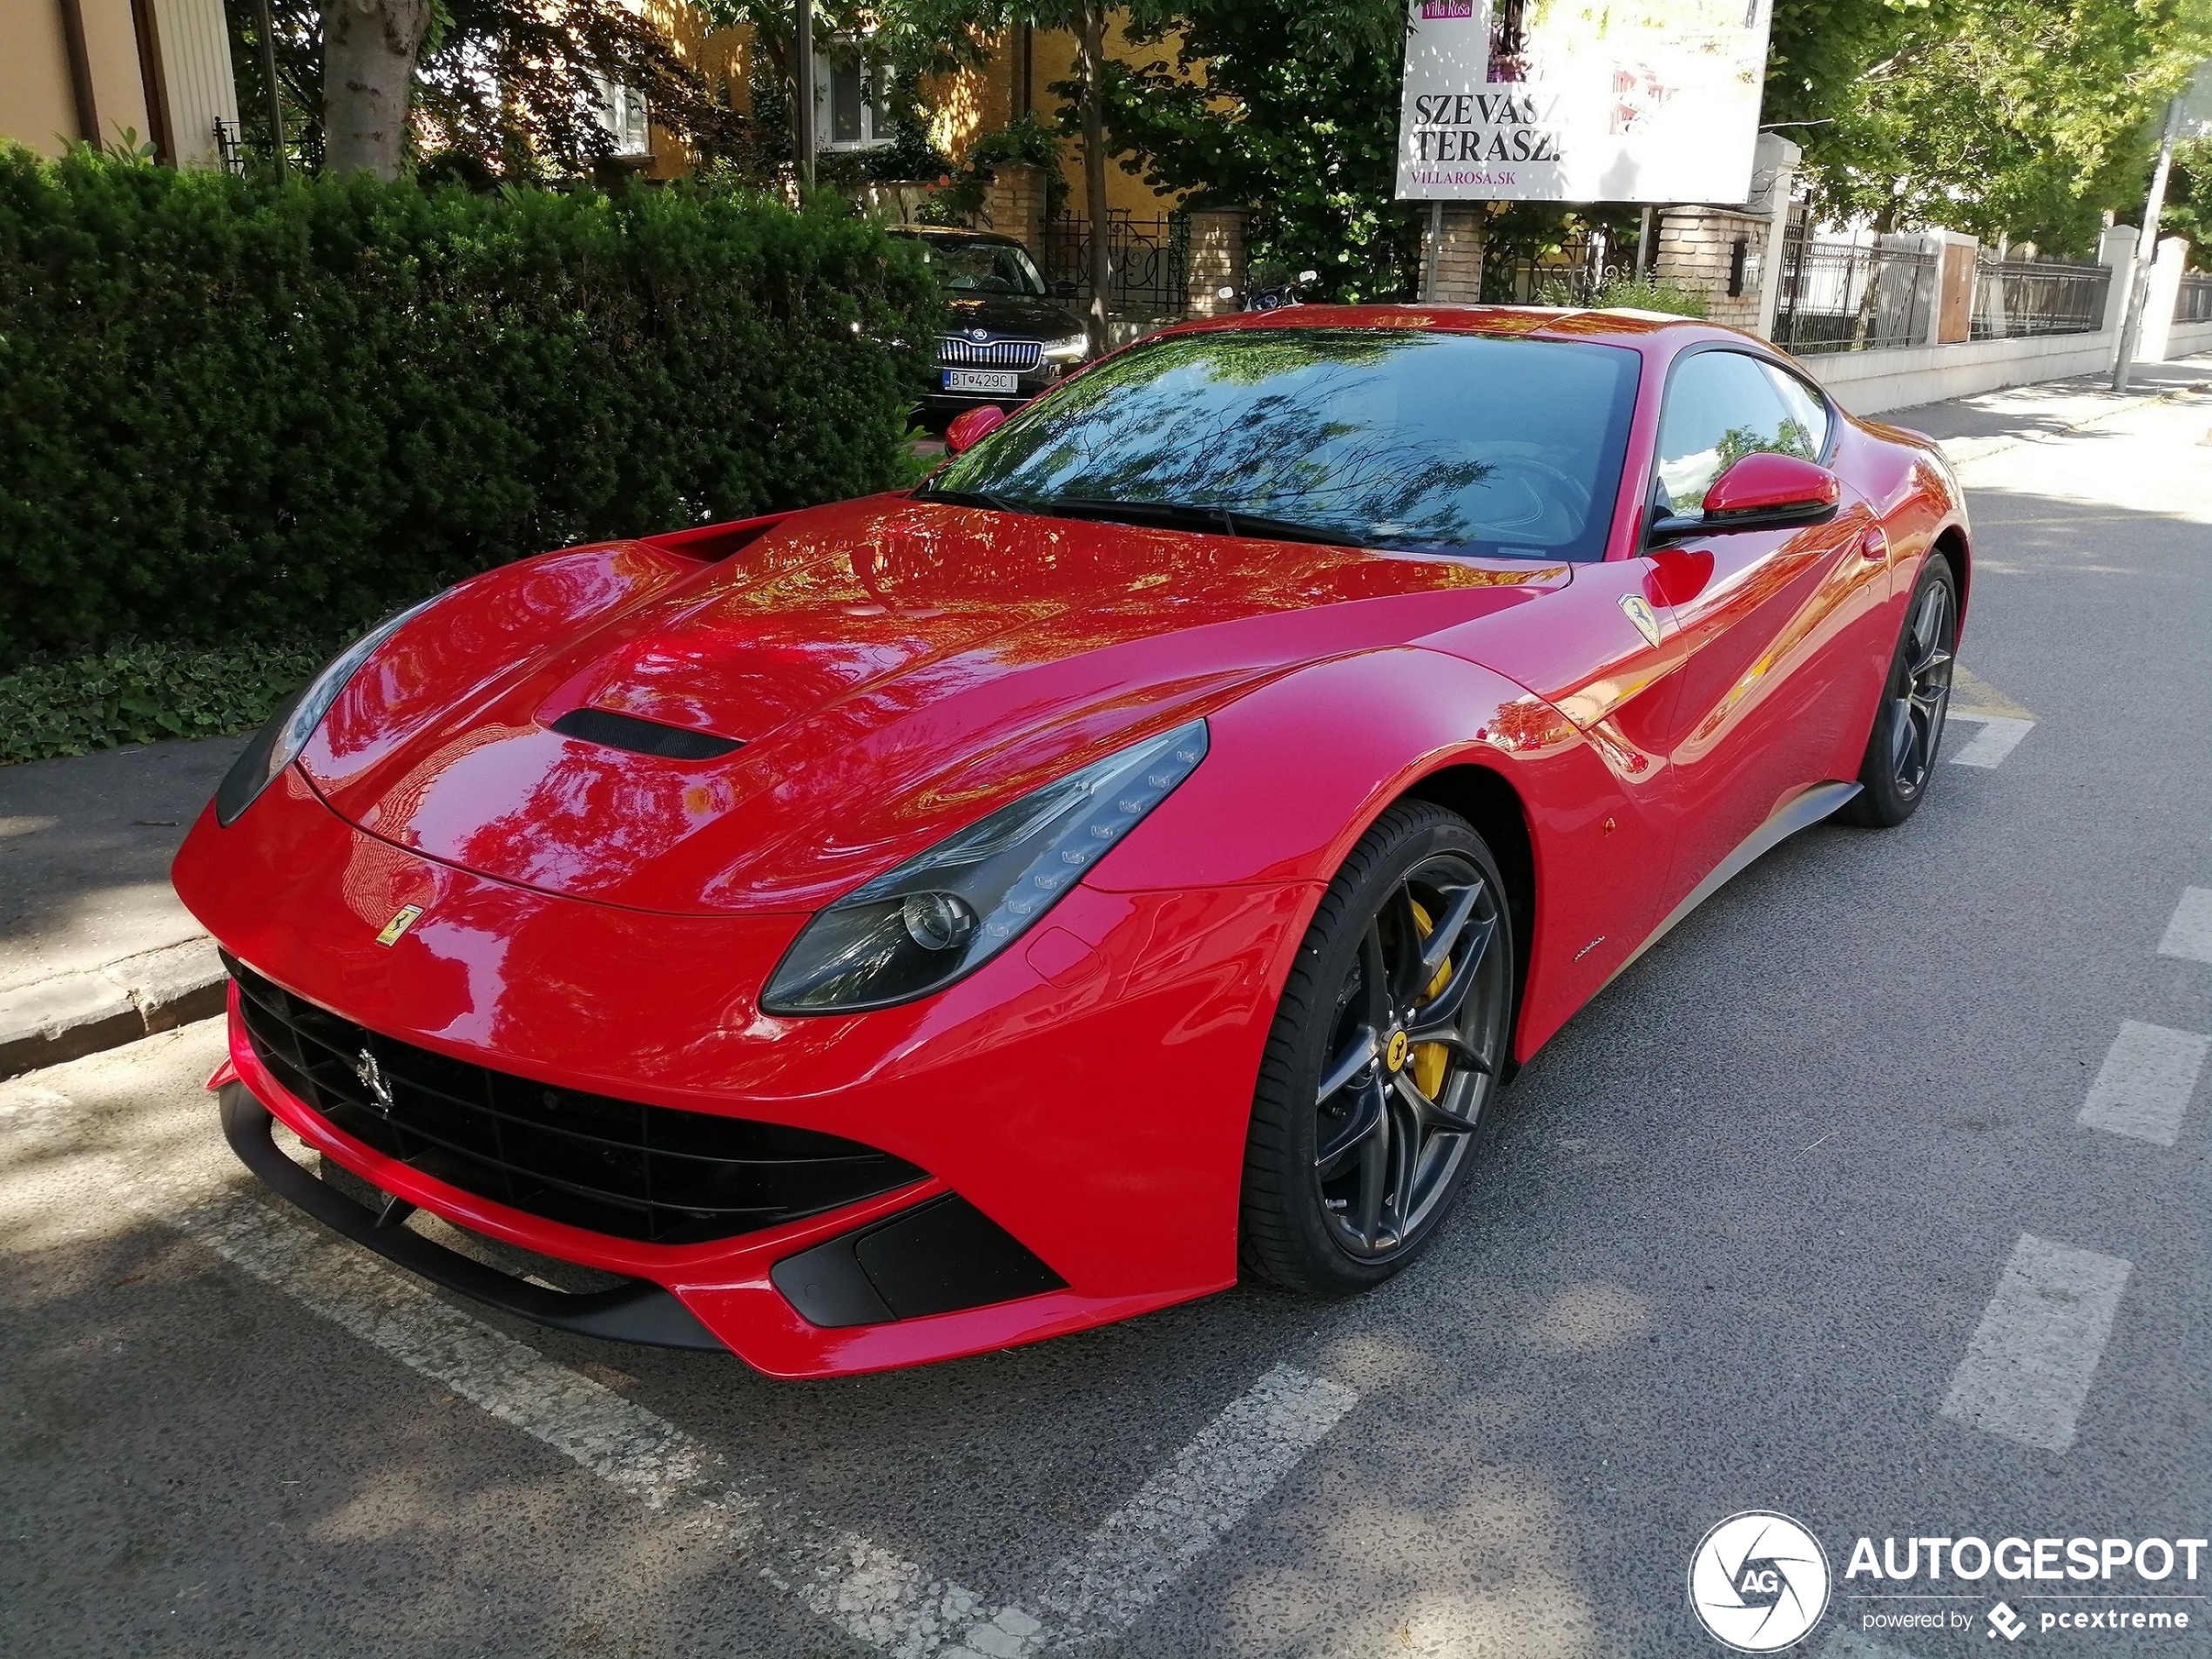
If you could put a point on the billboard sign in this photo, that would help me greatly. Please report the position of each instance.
(1581, 100)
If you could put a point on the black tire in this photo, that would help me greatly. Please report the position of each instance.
(1419, 899)
(1908, 726)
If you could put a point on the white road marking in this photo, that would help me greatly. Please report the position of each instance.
(2188, 933)
(863, 1589)
(2000, 735)
(1230, 1465)
(2030, 1362)
(53, 1161)
(2143, 1088)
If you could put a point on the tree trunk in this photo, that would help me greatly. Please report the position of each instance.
(1091, 54)
(368, 52)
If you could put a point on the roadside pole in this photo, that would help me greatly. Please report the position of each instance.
(267, 26)
(2146, 248)
(1435, 246)
(802, 59)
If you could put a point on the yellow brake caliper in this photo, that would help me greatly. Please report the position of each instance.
(1430, 1059)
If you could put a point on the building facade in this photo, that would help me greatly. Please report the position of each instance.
(137, 72)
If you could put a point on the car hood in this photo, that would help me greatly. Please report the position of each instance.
(1013, 313)
(893, 669)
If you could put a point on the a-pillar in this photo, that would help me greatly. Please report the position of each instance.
(1216, 261)
(1452, 260)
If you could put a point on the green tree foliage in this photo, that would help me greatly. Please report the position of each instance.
(229, 410)
(513, 90)
(2021, 117)
(1290, 112)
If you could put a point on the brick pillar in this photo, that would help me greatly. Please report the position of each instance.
(1014, 205)
(1699, 248)
(1774, 171)
(1457, 257)
(1956, 256)
(1216, 261)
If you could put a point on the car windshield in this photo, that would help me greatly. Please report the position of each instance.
(983, 267)
(1418, 441)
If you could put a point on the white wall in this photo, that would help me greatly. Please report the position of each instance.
(196, 59)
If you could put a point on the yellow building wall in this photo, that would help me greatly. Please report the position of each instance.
(37, 106)
(111, 42)
(966, 104)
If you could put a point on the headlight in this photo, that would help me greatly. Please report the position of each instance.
(278, 743)
(1070, 350)
(943, 914)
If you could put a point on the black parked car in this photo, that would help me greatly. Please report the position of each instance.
(1009, 340)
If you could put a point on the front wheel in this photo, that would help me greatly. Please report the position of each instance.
(1908, 727)
(1385, 1052)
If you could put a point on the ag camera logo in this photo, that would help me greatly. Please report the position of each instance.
(1758, 1582)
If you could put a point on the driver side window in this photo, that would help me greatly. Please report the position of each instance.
(1722, 406)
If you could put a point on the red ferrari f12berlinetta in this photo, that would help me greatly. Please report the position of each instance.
(900, 928)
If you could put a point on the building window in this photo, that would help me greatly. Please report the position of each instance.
(622, 113)
(852, 110)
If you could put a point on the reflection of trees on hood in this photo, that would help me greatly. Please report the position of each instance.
(1279, 452)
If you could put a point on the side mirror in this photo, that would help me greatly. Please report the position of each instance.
(1762, 492)
(969, 430)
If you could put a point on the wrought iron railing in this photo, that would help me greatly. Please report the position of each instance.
(1840, 296)
(2017, 298)
(2193, 303)
(239, 146)
(1570, 274)
(1152, 262)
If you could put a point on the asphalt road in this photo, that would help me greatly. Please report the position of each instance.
(1751, 1237)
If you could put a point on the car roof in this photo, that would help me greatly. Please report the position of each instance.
(1546, 322)
(953, 233)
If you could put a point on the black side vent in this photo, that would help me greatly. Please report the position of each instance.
(643, 736)
(937, 1257)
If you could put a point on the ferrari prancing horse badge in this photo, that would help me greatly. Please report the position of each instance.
(1640, 613)
(403, 920)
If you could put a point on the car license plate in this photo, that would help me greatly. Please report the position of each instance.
(982, 379)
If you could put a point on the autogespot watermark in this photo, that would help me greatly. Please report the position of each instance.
(1760, 1582)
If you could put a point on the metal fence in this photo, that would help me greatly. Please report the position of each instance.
(2194, 304)
(1152, 262)
(239, 146)
(2017, 298)
(1838, 296)
(1568, 274)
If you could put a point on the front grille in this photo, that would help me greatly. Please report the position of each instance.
(650, 1173)
(954, 352)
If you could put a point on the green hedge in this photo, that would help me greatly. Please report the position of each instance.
(230, 411)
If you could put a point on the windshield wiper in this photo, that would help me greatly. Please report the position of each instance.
(975, 498)
(1228, 520)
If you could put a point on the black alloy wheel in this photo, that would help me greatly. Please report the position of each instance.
(1386, 1049)
(1908, 728)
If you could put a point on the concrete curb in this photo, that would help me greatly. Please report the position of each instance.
(73, 1014)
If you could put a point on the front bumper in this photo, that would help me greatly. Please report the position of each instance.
(1088, 1094)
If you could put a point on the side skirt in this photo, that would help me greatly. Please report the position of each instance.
(1800, 811)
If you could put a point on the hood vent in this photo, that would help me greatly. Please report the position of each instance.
(643, 736)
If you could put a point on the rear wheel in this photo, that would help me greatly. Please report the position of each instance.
(1908, 728)
(1383, 1057)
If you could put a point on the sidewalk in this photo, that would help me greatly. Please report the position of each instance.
(95, 951)
(1970, 428)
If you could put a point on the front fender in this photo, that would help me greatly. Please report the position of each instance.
(1300, 769)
